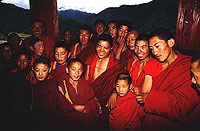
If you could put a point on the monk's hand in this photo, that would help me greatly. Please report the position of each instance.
(136, 90)
(111, 104)
(121, 42)
(141, 98)
(98, 105)
(80, 108)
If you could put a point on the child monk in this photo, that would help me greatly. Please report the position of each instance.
(122, 117)
(80, 94)
(61, 58)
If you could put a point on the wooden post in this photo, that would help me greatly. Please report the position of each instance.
(46, 10)
(188, 25)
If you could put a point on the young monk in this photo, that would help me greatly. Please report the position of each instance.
(171, 97)
(85, 47)
(102, 69)
(38, 31)
(20, 92)
(36, 45)
(80, 94)
(45, 96)
(61, 56)
(122, 116)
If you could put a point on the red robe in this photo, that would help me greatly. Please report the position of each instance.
(104, 84)
(59, 72)
(84, 96)
(125, 55)
(171, 98)
(152, 68)
(51, 110)
(123, 116)
(85, 52)
(48, 45)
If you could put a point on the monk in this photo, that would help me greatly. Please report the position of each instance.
(119, 46)
(171, 98)
(122, 117)
(38, 31)
(85, 47)
(80, 94)
(194, 117)
(61, 58)
(102, 69)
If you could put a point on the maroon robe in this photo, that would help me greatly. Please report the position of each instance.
(104, 84)
(171, 98)
(84, 96)
(51, 110)
(123, 116)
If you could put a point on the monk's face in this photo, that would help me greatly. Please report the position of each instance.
(22, 62)
(195, 74)
(99, 28)
(103, 49)
(41, 71)
(84, 36)
(67, 36)
(160, 48)
(75, 71)
(112, 30)
(130, 41)
(123, 31)
(122, 87)
(37, 29)
(7, 52)
(141, 49)
(61, 55)
(38, 48)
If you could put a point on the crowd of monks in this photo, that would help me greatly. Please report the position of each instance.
(112, 78)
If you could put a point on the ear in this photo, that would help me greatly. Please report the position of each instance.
(32, 68)
(131, 86)
(91, 35)
(50, 70)
(171, 42)
(31, 48)
(67, 70)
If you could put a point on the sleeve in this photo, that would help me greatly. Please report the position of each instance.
(153, 68)
(173, 98)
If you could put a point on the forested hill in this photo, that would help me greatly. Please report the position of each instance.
(144, 17)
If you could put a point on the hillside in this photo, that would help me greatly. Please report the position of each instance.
(144, 17)
(74, 14)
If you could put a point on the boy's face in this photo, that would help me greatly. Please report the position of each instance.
(75, 71)
(84, 36)
(61, 55)
(103, 49)
(37, 29)
(41, 71)
(122, 87)
(160, 48)
(122, 31)
(38, 48)
(112, 30)
(22, 62)
(7, 52)
(100, 28)
(130, 41)
(142, 49)
(67, 36)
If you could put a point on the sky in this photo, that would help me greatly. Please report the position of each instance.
(90, 6)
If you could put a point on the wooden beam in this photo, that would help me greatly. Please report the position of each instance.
(46, 10)
(188, 25)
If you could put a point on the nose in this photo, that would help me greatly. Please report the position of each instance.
(193, 80)
(40, 73)
(154, 51)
